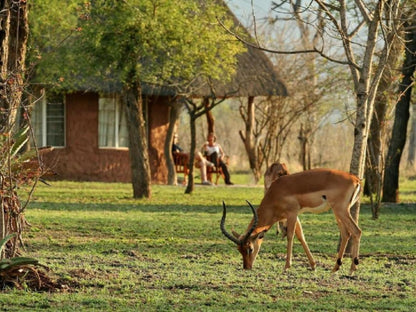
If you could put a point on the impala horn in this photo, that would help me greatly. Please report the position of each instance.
(231, 237)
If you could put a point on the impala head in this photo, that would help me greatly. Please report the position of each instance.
(248, 244)
(275, 171)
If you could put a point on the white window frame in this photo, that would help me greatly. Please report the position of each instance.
(116, 100)
(43, 102)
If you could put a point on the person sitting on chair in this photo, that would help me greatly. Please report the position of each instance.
(216, 154)
(200, 163)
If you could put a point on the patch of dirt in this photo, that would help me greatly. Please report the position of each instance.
(37, 278)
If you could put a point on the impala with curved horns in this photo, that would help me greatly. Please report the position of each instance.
(315, 191)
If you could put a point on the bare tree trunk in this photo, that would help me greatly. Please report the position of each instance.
(190, 186)
(302, 137)
(14, 32)
(4, 105)
(363, 79)
(358, 155)
(375, 143)
(4, 56)
(248, 138)
(173, 117)
(374, 164)
(210, 116)
(309, 152)
(411, 157)
(375, 151)
(138, 150)
(365, 105)
(398, 138)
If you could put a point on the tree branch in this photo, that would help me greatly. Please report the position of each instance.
(342, 30)
(366, 14)
(313, 50)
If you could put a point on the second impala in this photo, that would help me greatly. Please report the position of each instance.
(315, 191)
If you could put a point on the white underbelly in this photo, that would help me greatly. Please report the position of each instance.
(318, 209)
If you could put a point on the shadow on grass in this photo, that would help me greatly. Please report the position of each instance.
(390, 208)
(149, 208)
(387, 209)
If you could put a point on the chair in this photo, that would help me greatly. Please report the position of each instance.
(181, 161)
(215, 170)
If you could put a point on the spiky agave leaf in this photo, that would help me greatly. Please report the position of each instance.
(5, 240)
(7, 264)
(20, 139)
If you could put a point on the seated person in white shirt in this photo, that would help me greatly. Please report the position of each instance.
(216, 154)
(200, 161)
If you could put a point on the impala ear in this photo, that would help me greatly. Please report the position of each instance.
(259, 235)
(236, 235)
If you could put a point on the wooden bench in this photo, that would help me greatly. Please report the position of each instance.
(181, 161)
(217, 170)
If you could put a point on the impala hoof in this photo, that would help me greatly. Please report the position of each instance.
(336, 268)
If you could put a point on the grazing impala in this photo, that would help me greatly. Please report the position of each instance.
(315, 191)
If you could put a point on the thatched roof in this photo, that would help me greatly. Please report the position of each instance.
(255, 76)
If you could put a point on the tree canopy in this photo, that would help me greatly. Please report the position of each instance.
(117, 42)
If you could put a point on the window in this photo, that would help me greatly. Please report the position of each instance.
(48, 120)
(112, 123)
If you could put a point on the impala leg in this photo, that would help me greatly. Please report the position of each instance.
(301, 238)
(356, 236)
(281, 227)
(291, 224)
(349, 229)
(345, 236)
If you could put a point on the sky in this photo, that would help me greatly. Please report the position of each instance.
(243, 8)
(261, 9)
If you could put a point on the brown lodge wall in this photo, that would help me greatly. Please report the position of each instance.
(82, 160)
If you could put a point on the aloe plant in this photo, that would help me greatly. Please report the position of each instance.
(7, 264)
(14, 270)
(16, 168)
(14, 172)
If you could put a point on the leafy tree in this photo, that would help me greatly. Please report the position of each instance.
(127, 43)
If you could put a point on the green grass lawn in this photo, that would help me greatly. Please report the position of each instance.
(168, 254)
